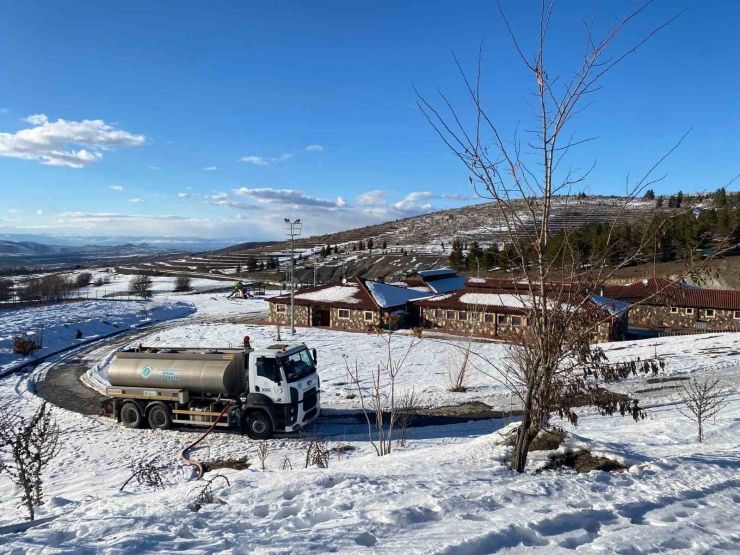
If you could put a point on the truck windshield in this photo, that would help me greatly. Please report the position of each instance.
(298, 365)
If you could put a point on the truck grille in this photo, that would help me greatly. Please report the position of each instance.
(309, 400)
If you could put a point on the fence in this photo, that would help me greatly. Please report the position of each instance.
(17, 300)
(696, 331)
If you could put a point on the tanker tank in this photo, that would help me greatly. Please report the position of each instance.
(209, 373)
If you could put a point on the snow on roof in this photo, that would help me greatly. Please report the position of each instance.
(477, 280)
(336, 294)
(447, 285)
(503, 299)
(389, 295)
(437, 272)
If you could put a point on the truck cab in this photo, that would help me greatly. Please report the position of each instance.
(260, 391)
(283, 378)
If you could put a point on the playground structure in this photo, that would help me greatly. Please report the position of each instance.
(247, 290)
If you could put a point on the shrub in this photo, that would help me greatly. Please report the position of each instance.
(141, 285)
(83, 279)
(49, 286)
(78, 334)
(6, 287)
(25, 345)
(182, 283)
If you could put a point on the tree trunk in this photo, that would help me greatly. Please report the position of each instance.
(525, 434)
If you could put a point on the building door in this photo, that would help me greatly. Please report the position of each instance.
(325, 317)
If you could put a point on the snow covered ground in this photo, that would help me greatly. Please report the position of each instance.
(447, 492)
(56, 326)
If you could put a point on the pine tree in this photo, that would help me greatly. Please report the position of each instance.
(385, 245)
(720, 198)
(251, 264)
(671, 202)
(370, 243)
(679, 199)
(650, 194)
(659, 202)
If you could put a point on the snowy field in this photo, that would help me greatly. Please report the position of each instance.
(447, 492)
(56, 326)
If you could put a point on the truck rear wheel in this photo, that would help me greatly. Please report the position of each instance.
(258, 425)
(131, 415)
(159, 418)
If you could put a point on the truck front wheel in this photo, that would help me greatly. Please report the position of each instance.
(258, 425)
(159, 418)
(131, 415)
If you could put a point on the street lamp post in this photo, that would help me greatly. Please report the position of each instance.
(293, 230)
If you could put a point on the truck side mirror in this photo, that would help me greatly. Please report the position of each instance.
(313, 352)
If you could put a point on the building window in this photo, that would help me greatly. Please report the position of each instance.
(439, 314)
(689, 311)
(502, 318)
(344, 314)
(462, 315)
(710, 313)
(488, 318)
(368, 316)
(280, 308)
(516, 320)
(674, 310)
(450, 314)
(474, 315)
(529, 322)
(736, 315)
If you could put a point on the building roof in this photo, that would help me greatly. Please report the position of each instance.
(356, 292)
(664, 292)
(387, 295)
(446, 285)
(351, 294)
(429, 275)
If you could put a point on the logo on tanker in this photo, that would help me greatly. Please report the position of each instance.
(146, 371)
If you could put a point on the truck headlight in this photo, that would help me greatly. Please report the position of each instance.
(243, 398)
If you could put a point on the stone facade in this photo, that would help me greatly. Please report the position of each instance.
(282, 318)
(357, 320)
(339, 318)
(650, 316)
(504, 325)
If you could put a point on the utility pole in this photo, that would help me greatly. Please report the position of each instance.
(477, 263)
(315, 268)
(292, 229)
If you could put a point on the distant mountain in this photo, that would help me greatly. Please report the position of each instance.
(190, 244)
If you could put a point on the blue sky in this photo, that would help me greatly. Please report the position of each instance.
(216, 119)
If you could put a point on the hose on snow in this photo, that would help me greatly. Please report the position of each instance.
(189, 462)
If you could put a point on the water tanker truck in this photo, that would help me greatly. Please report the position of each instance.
(259, 391)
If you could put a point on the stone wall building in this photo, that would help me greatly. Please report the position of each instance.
(356, 305)
(501, 313)
(660, 304)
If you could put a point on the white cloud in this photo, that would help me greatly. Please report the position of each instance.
(39, 212)
(116, 188)
(282, 158)
(136, 201)
(256, 160)
(218, 195)
(315, 148)
(288, 196)
(371, 198)
(13, 210)
(182, 195)
(209, 169)
(49, 142)
(4, 111)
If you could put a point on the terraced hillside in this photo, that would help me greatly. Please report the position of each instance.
(399, 246)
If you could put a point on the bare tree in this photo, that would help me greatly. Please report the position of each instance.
(26, 449)
(380, 405)
(207, 495)
(83, 279)
(406, 413)
(552, 367)
(141, 284)
(263, 450)
(457, 364)
(701, 399)
(6, 288)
